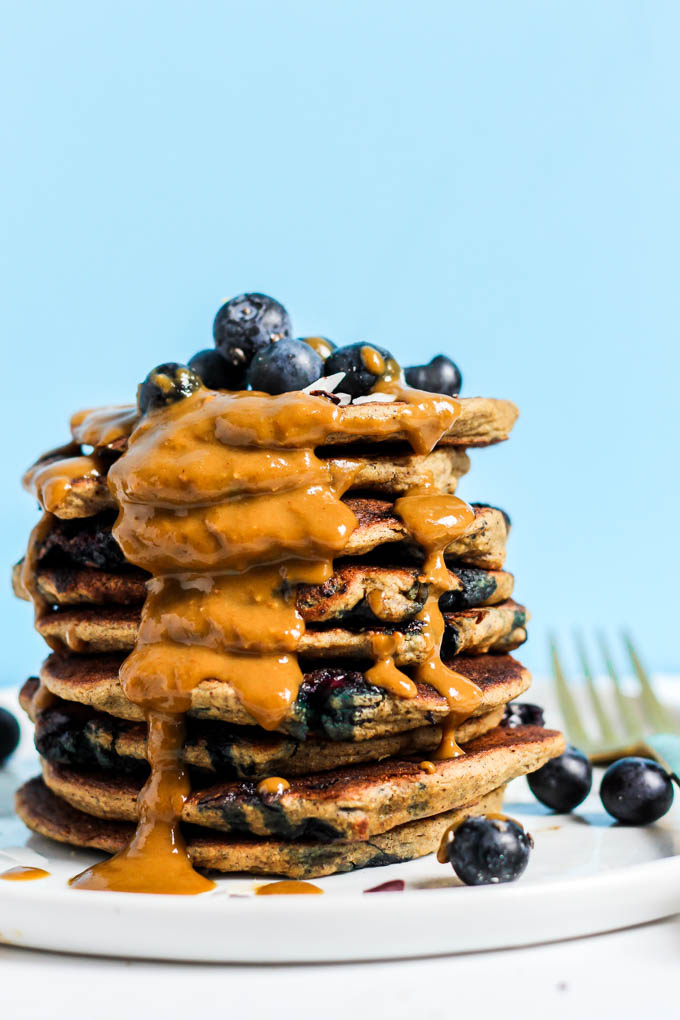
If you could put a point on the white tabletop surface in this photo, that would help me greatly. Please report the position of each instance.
(631, 973)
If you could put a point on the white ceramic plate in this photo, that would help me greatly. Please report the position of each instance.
(586, 875)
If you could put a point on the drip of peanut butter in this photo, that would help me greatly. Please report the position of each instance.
(433, 520)
(23, 874)
(323, 347)
(384, 673)
(428, 416)
(288, 888)
(373, 360)
(274, 784)
(103, 426)
(223, 500)
(51, 480)
(156, 859)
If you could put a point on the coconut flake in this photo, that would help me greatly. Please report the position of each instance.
(327, 383)
(375, 398)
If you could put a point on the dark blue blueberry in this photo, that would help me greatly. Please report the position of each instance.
(245, 324)
(321, 344)
(284, 366)
(165, 384)
(563, 783)
(636, 791)
(215, 372)
(9, 734)
(441, 375)
(521, 713)
(355, 361)
(485, 850)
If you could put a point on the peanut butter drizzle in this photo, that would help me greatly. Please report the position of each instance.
(433, 520)
(373, 360)
(51, 480)
(377, 603)
(384, 673)
(274, 784)
(429, 416)
(223, 501)
(320, 344)
(24, 874)
(445, 842)
(102, 426)
(156, 859)
(287, 888)
(428, 766)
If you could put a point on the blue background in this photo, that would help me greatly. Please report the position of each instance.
(498, 181)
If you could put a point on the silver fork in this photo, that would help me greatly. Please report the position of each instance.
(640, 725)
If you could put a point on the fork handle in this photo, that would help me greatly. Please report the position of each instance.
(666, 748)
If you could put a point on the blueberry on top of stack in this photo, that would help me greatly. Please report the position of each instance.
(254, 348)
(276, 632)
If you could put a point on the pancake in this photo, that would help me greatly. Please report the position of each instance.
(86, 542)
(390, 594)
(350, 803)
(93, 629)
(48, 815)
(470, 632)
(85, 495)
(65, 585)
(90, 543)
(482, 545)
(392, 472)
(395, 471)
(481, 422)
(371, 593)
(350, 750)
(70, 734)
(67, 733)
(334, 702)
(509, 642)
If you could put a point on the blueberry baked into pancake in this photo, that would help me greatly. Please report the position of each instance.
(279, 643)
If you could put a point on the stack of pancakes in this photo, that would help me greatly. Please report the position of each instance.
(360, 788)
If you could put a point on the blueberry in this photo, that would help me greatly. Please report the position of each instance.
(320, 344)
(361, 367)
(165, 384)
(9, 734)
(284, 366)
(245, 324)
(489, 850)
(563, 783)
(636, 791)
(521, 713)
(441, 375)
(215, 372)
